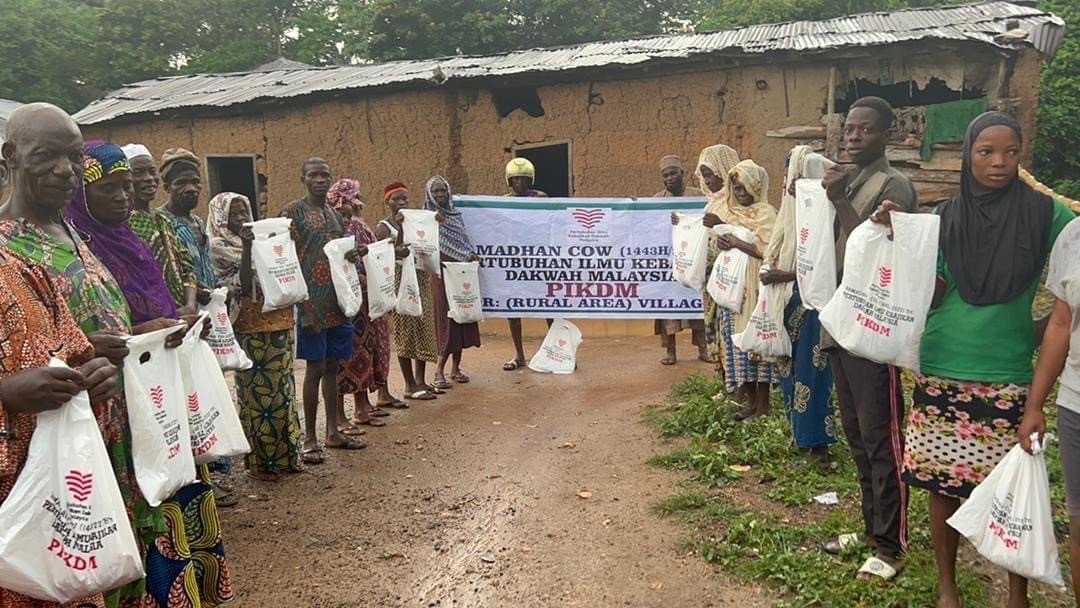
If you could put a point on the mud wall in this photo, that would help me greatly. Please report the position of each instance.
(619, 130)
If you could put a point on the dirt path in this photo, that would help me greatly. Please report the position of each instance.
(473, 500)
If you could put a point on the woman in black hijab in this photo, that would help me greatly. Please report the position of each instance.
(977, 348)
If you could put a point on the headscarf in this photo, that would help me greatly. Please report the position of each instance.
(802, 162)
(128, 258)
(393, 188)
(342, 191)
(454, 242)
(720, 159)
(995, 242)
(226, 246)
(759, 218)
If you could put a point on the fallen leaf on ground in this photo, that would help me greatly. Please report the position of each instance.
(584, 494)
(567, 445)
(607, 522)
(388, 555)
(487, 559)
(496, 422)
(657, 586)
(532, 426)
(740, 468)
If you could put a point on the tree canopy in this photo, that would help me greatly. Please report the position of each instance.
(70, 52)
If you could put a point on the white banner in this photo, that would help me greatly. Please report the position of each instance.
(583, 258)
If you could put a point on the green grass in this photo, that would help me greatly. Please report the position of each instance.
(774, 538)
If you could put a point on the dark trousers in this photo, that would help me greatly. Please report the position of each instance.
(872, 412)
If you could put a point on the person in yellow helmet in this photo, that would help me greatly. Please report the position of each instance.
(520, 175)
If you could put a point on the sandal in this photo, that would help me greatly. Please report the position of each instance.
(668, 361)
(396, 404)
(421, 395)
(442, 384)
(378, 413)
(434, 390)
(312, 456)
(370, 422)
(224, 498)
(264, 475)
(875, 566)
(352, 430)
(349, 444)
(460, 378)
(837, 545)
(510, 366)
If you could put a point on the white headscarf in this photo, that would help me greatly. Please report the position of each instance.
(136, 151)
(802, 162)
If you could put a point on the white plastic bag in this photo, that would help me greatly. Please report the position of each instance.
(690, 246)
(276, 264)
(558, 353)
(379, 267)
(727, 281)
(765, 333)
(408, 297)
(64, 530)
(213, 420)
(879, 311)
(1008, 519)
(815, 251)
(157, 413)
(420, 231)
(222, 339)
(462, 281)
(350, 294)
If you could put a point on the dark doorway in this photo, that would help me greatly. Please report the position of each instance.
(234, 173)
(554, 174)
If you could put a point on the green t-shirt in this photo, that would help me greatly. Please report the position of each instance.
(990, 344)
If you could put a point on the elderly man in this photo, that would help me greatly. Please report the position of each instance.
(42, 151)
(671, 171)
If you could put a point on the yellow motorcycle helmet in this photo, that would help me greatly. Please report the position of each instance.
(520, 167)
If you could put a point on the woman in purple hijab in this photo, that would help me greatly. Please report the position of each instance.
(100, 212)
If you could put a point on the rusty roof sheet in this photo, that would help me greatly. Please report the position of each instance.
(976, 22)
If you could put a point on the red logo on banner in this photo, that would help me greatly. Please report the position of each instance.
(588, 218)
(80, 484)
(884, 276)
(157, 395)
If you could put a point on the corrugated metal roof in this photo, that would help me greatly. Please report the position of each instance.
(975, 22)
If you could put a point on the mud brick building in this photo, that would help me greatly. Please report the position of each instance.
(596, 118)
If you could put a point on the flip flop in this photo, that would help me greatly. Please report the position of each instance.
(372, 422)
(837, 545)
(460, 378)
(875, 566)
(442, 384)
(352, 430)
(421, 395)
(378, 413)
(510, 366)
(264, 476)
(312, 456)
(396, 404)
(348, 445)
(668, 361)
(434, 390)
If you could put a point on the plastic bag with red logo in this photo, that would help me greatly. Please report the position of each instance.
(1008, 517)
(277, 267)
(157, 414)
(222, 339)
(408, 297)
(350, 295)
(765, 333)
(879, 311)
(558, 353)
(213, 421)
(690, 247)
(379, 268)
(64, 530)
(727, 281)
(815, 249)
(420, 231)
(462, 280)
